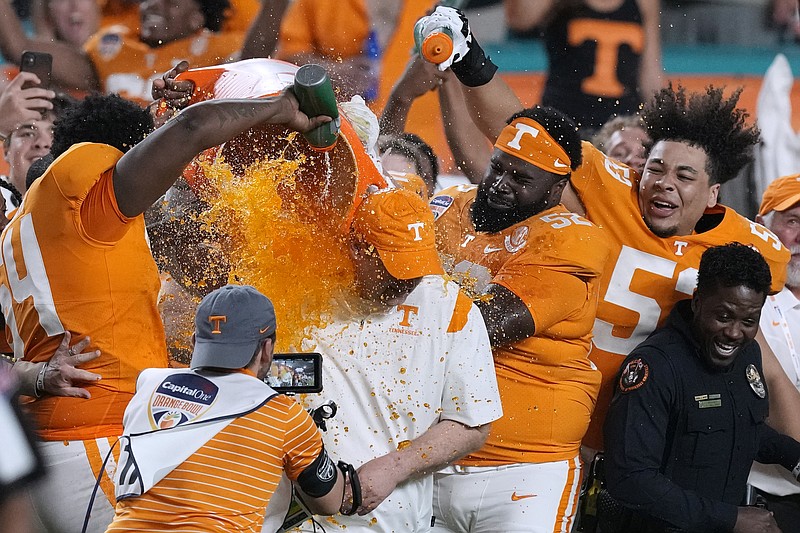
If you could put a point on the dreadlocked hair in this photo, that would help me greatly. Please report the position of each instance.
(705, 120)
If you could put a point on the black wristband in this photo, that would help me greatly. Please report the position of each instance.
(350, 476)
(475, 68)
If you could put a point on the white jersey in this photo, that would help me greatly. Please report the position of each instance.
(393, 375)
(780, 324)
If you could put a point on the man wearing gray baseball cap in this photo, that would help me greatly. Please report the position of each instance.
(211, 442)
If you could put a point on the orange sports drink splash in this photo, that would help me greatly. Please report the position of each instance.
(270, 211)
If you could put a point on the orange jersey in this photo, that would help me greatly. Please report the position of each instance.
(58, 276)
(335, 30)
(552, 261)
(127, 66)
(646, 275)
(227, 483)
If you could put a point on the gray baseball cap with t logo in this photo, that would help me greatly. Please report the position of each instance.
(229, 325)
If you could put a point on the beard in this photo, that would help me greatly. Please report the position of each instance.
(793, 269)
(490, 220)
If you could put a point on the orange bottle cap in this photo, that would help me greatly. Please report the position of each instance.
(437, 47)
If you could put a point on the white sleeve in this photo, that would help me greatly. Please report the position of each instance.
(470, 394)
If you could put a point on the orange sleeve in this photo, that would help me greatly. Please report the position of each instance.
(302, 444)
(460, 313)
(100, 214)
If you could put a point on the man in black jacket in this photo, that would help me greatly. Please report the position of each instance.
(689, 411)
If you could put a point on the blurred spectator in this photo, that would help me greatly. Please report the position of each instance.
(30, 132)
(604, 55)
(118, 60)
(408, 153)
(238, 17)
(349, 38)
(780, 326)
(625, 139)
(69, 21)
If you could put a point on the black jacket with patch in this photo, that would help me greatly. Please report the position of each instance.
(680, 437)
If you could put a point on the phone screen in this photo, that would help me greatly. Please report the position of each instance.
(39, 63)
(295, 372)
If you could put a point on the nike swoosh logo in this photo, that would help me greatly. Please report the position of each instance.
(490, 249)
(515, 498)
(264, 330)
(776, 324)
(558, 164)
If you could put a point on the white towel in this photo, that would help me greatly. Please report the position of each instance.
(173, 414)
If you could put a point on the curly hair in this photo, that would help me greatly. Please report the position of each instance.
(215, 12)
(106, 119)
(733, 265)
(559, 126)
(708, 121)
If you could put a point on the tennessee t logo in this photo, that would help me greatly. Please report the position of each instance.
(416, 226)
(407, 310)
(522, 129)
(609, 36)
(217, 320)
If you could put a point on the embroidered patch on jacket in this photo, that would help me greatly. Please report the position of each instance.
(754, 379)
(634, 375)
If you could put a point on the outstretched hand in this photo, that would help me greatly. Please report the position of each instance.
(176, 94)
(18, 105)
(62, 375)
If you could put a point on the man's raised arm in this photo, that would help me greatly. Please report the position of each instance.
(149, 168)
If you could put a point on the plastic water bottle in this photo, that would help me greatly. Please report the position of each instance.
(314, 92)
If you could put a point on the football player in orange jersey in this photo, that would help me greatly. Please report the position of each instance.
(659, 223)
(534, 268)
(75, 259)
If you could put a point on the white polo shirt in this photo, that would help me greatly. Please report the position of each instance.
(396, 373)
(780, 317)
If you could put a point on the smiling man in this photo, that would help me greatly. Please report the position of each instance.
(688, 416)
(534, 268)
